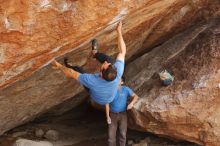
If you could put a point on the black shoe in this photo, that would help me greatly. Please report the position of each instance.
(95, 46)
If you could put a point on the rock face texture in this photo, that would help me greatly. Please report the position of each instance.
(34, 32)
(189, 108)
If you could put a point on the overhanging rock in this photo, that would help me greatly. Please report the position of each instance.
(33, 32)
(189, 108)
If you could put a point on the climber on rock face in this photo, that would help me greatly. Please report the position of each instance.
(101, 86)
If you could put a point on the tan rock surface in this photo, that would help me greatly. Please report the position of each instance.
(33, 32)
(189, 108)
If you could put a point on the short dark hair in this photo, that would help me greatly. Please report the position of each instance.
(110, 73)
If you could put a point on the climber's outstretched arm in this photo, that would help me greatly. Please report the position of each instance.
(67, 71)
(121, 43)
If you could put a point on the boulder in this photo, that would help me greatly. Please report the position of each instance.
(141, 143)
(189, 108)
(52, 135)
(39, 133)
(26, 142)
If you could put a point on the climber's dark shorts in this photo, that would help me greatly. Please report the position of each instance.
(101, 57)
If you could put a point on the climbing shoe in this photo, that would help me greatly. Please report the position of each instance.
(95, 46)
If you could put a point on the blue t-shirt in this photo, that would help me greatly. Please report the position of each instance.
(102, 91)
(119, 104)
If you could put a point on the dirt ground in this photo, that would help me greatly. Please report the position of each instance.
(83, 126)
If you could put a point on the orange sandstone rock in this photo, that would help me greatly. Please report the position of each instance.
(34, 32)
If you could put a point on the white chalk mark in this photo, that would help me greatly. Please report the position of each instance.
(184, 10)
(117, 18)
(2, 54)
(65, 6)
(16, 71)
(47, 63)
(45, 4)
(56, 49)
(52, 51)
(7, 23)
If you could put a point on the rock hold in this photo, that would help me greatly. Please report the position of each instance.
(52, 135)
(39, 133)
(25, 142)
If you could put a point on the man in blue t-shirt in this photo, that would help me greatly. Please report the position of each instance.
(102, 86)
(118, 114)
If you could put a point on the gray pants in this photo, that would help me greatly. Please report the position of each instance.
(118, 120)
